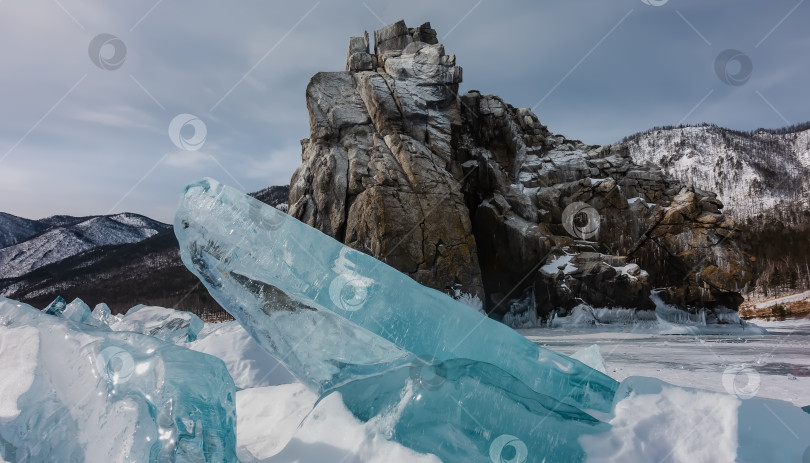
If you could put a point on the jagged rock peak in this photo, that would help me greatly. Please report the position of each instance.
(404, 53)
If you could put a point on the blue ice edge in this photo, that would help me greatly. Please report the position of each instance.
(447, 379)
(97, 395)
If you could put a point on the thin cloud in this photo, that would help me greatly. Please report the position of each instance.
(181, 58)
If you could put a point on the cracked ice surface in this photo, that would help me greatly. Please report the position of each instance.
(72, 392)
(439, 375)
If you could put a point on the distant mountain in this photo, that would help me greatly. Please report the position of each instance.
(148, 272)
(276, 196)
(751, 172)
(122, 274)
(762, 178)
(34, 244)
(14, 229)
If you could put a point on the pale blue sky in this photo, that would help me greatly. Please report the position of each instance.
(77, 139)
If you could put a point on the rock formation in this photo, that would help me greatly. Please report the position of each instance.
(378, 171)
(468, 194)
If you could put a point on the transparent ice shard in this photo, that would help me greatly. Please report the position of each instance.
(166, 324)
(77, 311)
(342, 321)
(470, 411)
(100, 316)
(56, 307)
(114, 396)
(592, 357)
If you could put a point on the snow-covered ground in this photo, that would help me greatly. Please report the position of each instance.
(784, 300)
(780, 360)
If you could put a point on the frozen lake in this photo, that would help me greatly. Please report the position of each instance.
(779, 361)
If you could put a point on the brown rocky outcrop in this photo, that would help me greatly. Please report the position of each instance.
(467, 193)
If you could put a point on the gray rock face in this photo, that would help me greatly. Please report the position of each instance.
(378, 169)
(359, 58)
(469, 193)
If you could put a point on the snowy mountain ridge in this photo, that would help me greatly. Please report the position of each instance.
(751, 172)
(14, 229)
(130, 270)
(31, 244)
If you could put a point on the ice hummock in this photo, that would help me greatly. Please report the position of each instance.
(71, 392)
(344, 322)
(77, 311)
(101, 316)
(165, 324)
(56, 307)
(665, 319)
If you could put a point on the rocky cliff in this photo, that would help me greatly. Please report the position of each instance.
(468, 194)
